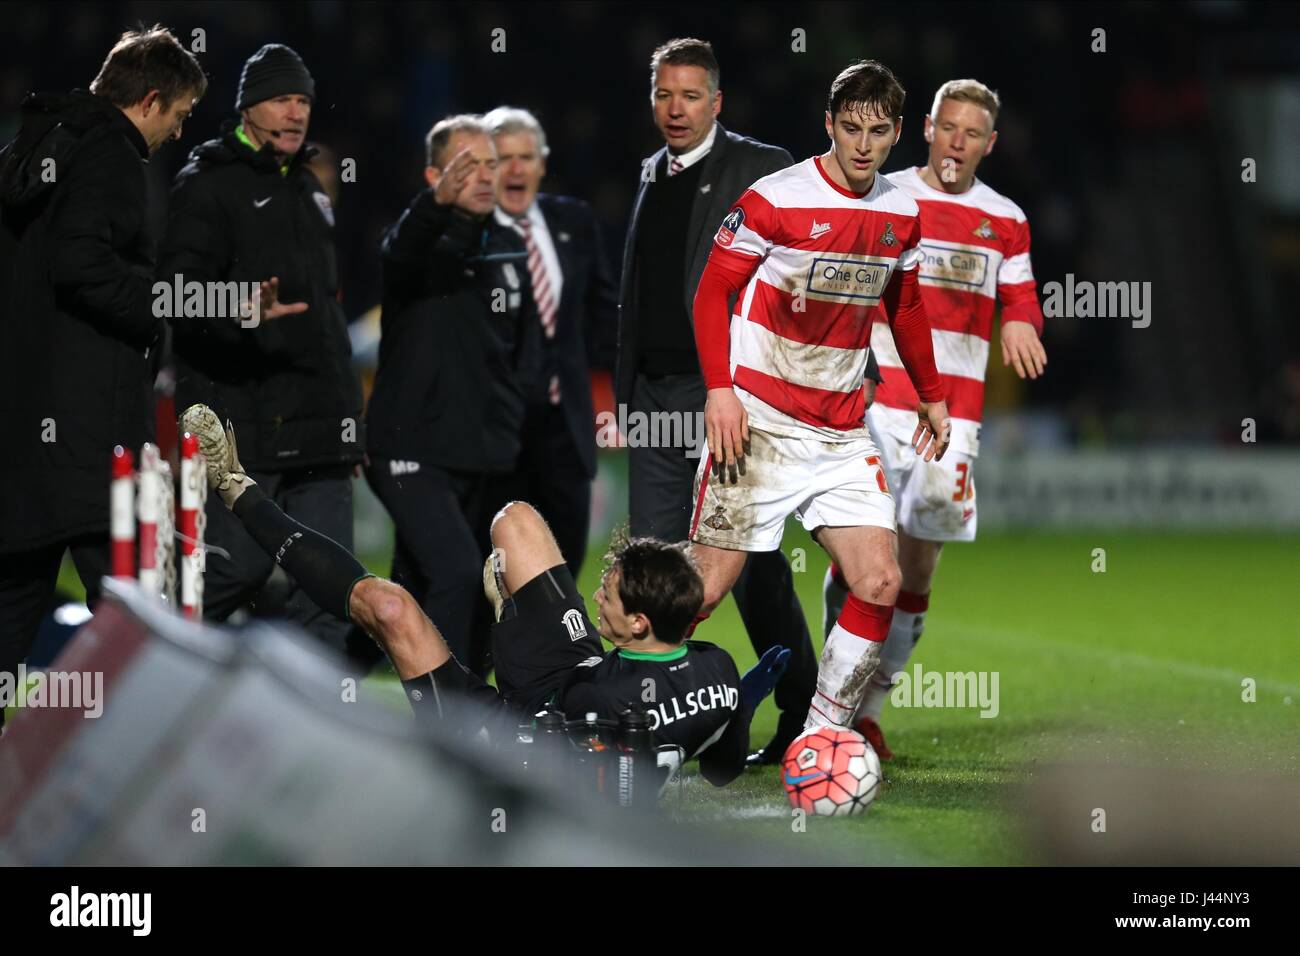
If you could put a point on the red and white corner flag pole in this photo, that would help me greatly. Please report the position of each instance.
(122, 514)
(192, 473)
(151, 496)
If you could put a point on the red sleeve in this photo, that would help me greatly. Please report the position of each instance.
(1017, 290)
(741, 242)
(724, 276)
(912, 337)
(909, 323)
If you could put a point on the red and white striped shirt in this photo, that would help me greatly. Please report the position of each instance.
(976, 252)
(815, 261)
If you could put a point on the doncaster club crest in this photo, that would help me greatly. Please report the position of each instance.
(985, 230)
(887, 237)
(718, 521)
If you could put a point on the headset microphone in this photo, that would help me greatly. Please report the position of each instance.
(273, 133)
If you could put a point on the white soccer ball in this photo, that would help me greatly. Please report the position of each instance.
(831, 772)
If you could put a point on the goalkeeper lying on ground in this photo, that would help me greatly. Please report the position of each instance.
(544, 646)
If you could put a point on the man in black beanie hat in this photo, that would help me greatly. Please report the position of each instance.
(247, 208)
(274, 99)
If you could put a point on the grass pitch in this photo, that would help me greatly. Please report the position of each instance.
(1142, 664)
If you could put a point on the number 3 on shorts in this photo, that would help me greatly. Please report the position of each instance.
(965, 487)
(874, 462)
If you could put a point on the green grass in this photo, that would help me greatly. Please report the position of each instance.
(1142, 664)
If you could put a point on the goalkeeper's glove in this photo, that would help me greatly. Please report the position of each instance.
(760, 679)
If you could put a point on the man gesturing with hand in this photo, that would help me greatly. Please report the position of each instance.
(460, 351)
(812, 253)
(247, 209)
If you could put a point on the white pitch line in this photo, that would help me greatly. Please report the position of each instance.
(747, 813)
(1129, 658)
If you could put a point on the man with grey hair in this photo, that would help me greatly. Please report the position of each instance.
(577, 312)
(458, 356)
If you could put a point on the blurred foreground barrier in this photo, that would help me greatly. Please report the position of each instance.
(217, 747)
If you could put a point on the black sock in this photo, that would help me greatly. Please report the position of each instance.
(322, 567)
(426, 697)
(453, 697)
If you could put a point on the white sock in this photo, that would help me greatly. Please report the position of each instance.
(847, 663)
(904, 632)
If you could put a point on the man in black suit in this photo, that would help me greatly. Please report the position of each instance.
(687, 187)
(577, 309)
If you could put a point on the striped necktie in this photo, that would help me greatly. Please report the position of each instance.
(542, 293)
(675, 167)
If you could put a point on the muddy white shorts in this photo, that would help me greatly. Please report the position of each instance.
(936, 499)
(840, 484)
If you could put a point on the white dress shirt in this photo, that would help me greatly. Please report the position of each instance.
(545, 245)
(690, 158)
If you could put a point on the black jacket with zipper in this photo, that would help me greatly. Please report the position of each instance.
(460, 349)
(78, 337)
(287, 384)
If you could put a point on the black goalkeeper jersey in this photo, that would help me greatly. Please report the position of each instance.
(691, 695)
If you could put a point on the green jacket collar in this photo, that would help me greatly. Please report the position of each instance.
(674, 655)
(243, 138)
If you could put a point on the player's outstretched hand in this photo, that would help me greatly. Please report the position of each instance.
(933, 431)
(726, 425)
(272, 307)
(760, 679)
(1022, 349)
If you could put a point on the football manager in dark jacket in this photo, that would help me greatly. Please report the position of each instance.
(686, 189)
(78, 331)
(248, 209)
(459, 354)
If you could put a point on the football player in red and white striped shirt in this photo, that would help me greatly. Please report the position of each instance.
(810, 255)
(976, 254)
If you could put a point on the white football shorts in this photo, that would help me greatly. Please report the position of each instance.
(936, 499)
(839, 484)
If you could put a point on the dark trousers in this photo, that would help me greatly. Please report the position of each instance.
(438, 551)
(321, 499)
(550, 477)
(27, 582)
(660, 484)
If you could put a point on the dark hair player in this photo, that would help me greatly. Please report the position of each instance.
(544, 645)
